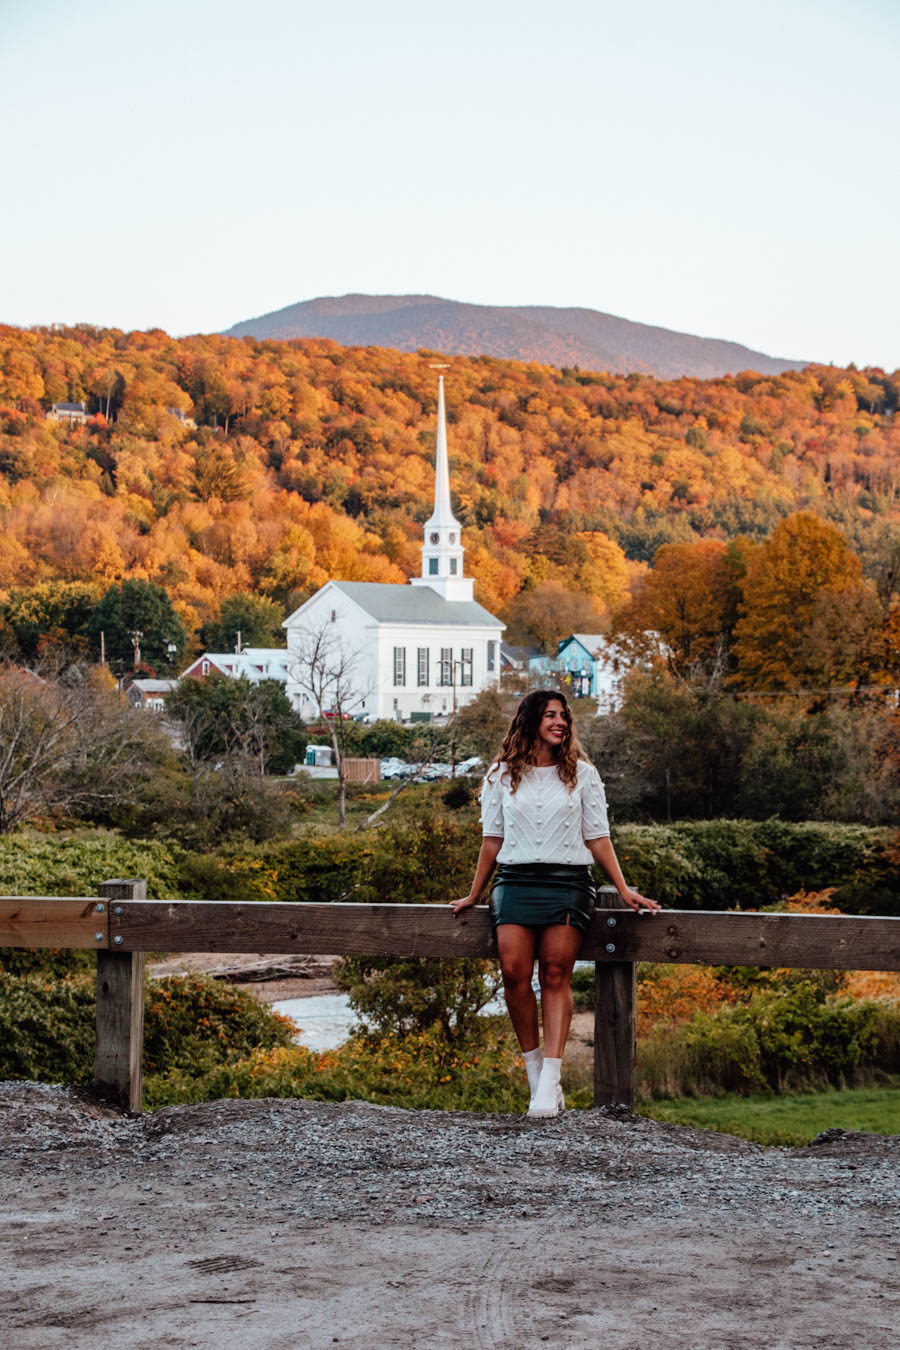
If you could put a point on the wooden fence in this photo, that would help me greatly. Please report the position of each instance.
(122, 925)
(362, 770)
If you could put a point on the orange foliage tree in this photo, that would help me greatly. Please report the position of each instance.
(808, 620)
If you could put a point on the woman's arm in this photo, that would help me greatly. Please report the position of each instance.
(605, 854)
(490, 847)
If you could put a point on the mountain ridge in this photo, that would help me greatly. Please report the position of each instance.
(551, 335)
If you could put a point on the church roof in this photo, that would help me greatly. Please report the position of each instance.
(389, 603)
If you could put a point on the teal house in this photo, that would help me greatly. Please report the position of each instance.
(584, 666)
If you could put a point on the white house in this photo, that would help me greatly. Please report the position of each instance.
(251, 663)
(73, 413)
(418, 651)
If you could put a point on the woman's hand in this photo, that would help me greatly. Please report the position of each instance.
(605, 854)
(457, 906)
(635, 900)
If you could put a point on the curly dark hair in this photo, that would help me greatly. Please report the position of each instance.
(519, 749)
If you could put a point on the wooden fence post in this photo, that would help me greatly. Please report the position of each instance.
(120, 1009)
(615, 984)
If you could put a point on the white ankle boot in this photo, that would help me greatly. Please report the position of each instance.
(548, 1100)
(534, 1062)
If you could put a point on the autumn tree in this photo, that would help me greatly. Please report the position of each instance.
(546, 613)
(685, 609)
(53, 614)
(807, 619)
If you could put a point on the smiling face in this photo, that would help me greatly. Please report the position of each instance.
(554, 724)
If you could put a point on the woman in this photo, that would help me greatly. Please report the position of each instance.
(543, 812)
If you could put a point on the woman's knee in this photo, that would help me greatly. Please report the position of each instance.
(516, 976)
(555, 974)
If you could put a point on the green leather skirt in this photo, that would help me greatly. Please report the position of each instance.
(538, 895)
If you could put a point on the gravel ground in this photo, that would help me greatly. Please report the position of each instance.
(305, 1224)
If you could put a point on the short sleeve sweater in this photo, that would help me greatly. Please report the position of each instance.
(542, 821)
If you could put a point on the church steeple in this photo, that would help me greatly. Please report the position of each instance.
(442, 551)
(442, 515)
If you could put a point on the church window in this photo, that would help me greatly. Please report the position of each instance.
(466, 666)
(399, 665)
(434, 538)
(446, 666)
(453, 539)
(423, 675)
(453, 562)
(432, 567)
(491, 655)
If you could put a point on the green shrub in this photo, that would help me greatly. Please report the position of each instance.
(223, 801)
(201, 1022)
(425, 853)
(786, 1038)
(74, 863)
(417, 1073)
(746, 864)
(194, 1022)
(583, 988)
(47, 1027)
(402, 997)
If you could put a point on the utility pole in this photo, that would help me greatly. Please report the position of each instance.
(453, 665)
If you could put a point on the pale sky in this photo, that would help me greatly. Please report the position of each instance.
(730, 170)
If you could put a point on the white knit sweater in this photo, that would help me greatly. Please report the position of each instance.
(542, 821)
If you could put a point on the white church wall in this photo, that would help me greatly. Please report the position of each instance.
(402, 700)
(353, 629)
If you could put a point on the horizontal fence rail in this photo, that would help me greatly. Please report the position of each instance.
(40, 921)
(691, 937)
(121, 925)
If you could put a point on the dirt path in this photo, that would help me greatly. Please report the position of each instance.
(290, 1224)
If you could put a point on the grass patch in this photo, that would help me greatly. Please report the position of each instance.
(792, 1119)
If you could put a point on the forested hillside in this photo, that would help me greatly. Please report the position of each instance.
(212, 465)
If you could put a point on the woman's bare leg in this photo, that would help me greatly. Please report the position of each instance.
(515, 947)
(557, 953)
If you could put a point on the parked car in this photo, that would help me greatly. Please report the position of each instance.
(433, 771)
(396, 768)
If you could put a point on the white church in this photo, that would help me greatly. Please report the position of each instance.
(418, 651)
